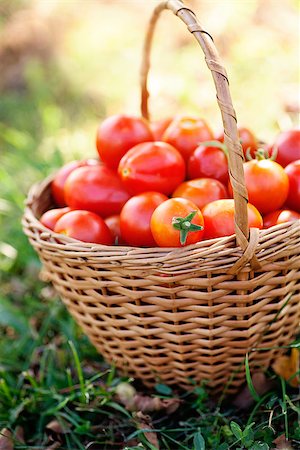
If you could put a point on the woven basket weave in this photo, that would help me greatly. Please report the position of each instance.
(181, 316)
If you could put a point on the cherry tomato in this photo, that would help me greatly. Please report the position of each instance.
(293, 172)
(219, 218)
(117, 134)
(84, 226)
(135, 218)
(152, 166)
(247, 139)
(158, 127)
(50, 217)
(208, 162)
(280, 216)
(186, 133)
(57, 185)
(287, 145)
(97, 189)
(113, 223)
(267, 184)
(177, 222)
(201, 191)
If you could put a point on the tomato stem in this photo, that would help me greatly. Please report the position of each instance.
(184, 226)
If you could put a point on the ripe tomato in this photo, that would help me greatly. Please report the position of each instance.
(186, 133)
(219, 218)
(247, 139)
(267, 184)
(84, 226)
(177, 222)
(293, 172)
(208, 162)
(57, 185)
(201, 191)
(117, 134)
(50, 217)
(280, 216)
(158, 127)
(152, 166)
(113, 223)
(97, 189)
(135, 218)
(287, 145)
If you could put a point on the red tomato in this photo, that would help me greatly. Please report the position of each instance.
(152, 166)
(287, 145)
(113, 223)
(97, 189)
(247, 139)
(219, 218)
(208, 162)
(293, 172)
(267, 184)
(201, 191)
(280, 216)
(49, 218)
(117, 134)
(135, 218)
(186, 133)
(177, 222)
(158, 127)
(57, 185)
(84, 226)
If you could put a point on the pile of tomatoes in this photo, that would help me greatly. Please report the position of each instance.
(166, 184)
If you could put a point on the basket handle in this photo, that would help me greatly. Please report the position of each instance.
(236, 157)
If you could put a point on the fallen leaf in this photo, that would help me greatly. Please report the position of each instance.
(56, 428)
(261, 384)
(282, 444)
(288, 366)
(6, 440)
(54, 446)
(145, 422)
(134, 401)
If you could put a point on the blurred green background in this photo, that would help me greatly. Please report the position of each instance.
(65, 65)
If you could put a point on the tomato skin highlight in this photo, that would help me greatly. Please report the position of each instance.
(208, 162)
(163, 231)
(201, 191)
(135, 218)
(287, 146)
(293, 172)
(84, 226)
(57, 185)
(97, 189)
(280, 216)
(267, 184)
(117, 134)
(186, 133)
(152, 166)
(50, 217)
(219, 218)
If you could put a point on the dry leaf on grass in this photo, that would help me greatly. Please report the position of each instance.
(261, 384)
(282, 444)
(6, 440)
(145, 422)
(288, 366)
(137, 402)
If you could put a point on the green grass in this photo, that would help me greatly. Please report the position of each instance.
(48, 369)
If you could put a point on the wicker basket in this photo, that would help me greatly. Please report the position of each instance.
(181, 316)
